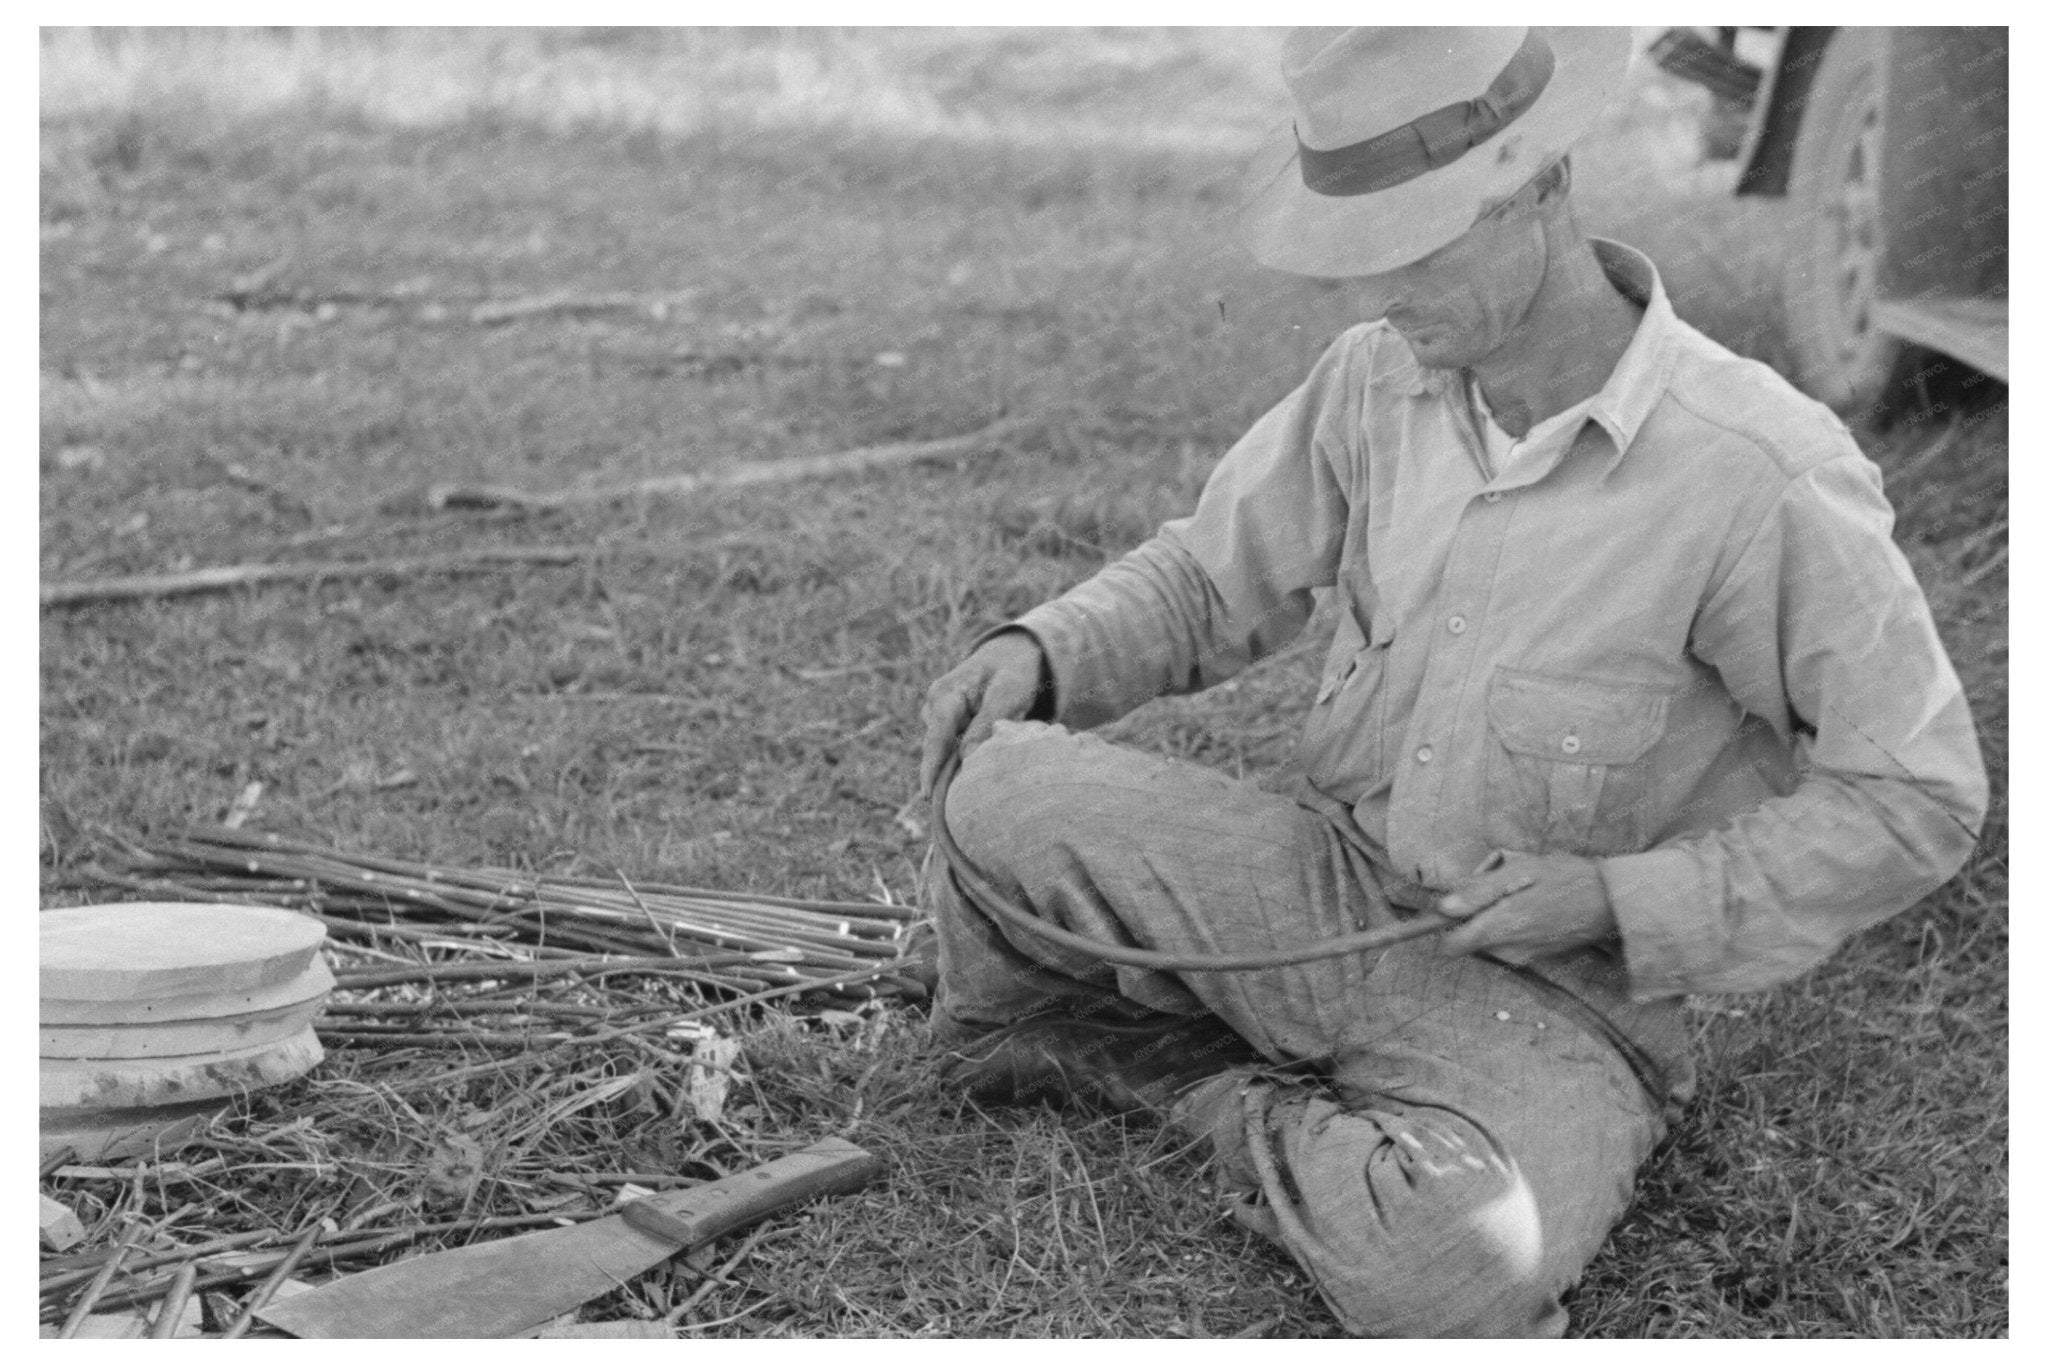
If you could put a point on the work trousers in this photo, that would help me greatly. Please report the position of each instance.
(1443, 1143)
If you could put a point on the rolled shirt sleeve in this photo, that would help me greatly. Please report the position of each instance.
(1819, 630)
(1215, 591)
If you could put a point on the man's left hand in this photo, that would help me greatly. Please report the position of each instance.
(1530, 906)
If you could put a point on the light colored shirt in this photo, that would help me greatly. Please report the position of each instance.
(1681, 642)
(1503, 449)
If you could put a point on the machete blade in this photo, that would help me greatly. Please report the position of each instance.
(512, 1285)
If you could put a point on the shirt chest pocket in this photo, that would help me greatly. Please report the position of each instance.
(1343, 741)
(1569, 762)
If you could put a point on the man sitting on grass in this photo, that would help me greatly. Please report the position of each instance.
(1628, 677)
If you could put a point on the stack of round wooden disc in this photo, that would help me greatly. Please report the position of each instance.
(154, 1015)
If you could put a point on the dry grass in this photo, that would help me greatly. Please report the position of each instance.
(741, 712)
(1154, 89)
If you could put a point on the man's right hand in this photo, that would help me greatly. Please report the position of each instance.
(1002, 680)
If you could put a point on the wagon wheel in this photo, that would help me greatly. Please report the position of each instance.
(1836, 248)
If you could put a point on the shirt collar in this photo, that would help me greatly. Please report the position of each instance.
(1642, 374)
(1639, 378)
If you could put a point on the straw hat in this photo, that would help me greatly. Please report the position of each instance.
(1402, 137)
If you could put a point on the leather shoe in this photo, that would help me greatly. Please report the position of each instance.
(1117, 1068)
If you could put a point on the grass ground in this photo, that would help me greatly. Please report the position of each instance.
(845, 239)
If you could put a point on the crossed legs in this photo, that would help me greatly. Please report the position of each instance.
(1465, 1148)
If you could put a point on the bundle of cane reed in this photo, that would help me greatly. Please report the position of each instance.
(500, 925)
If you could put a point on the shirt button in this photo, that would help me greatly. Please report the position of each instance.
(1456, 625)
(1424, 754)
(1493, 497)
(1571, 744)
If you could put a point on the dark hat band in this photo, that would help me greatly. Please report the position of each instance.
(1437, 138)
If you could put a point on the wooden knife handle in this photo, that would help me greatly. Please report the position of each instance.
(702, 1213)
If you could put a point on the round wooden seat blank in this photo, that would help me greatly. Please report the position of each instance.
(309, 986)
(151, 949)
(177, 1037)
(102, 1083)
(118, 1134)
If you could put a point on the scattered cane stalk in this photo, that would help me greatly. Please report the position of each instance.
(744, 474)
(223, 577)
(279, 1273)
(173, 1306)
(57, 1284)
(82, 1309)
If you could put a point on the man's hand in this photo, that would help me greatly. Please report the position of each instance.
(1000, 681)
(1524, 905)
